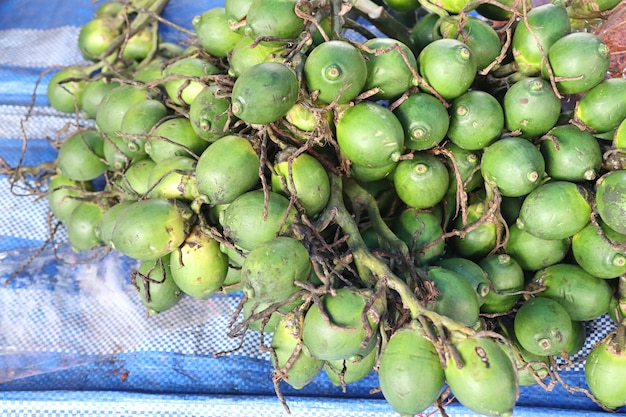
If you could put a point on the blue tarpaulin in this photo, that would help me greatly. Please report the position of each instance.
(75, 339)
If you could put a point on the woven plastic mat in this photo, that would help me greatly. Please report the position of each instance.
(75, 339)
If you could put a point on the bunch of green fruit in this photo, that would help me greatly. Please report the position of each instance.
(434, 191)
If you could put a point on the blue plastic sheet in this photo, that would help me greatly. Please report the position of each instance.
(74, 337)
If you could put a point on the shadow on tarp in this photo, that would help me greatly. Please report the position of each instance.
(61, 312)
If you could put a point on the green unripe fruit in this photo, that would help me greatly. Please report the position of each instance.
(485, 381)
(581, 9)
(531, 107)
(273, 18)
(150, 229)
(249, 221)
(181, 85)
(390, 67)
(114, 106)
(174, 137)
(419, 229)
(603, 107)
(514, 165)
(410, 373)
(578, 339)
(466, 164)
(495, 12)
(270, 270)
(247, 53)
(482, 234)
(476, 120)
(135, 179)
(579, 61)
(452, 6)
(610, 199)
(555, 210)
(347, 371)
(127, 144)
(542, 326)
(80, 156)
(336, 70)
(457, 299)
(471, 272)
(506, 278)
(64, 195)
(236, 9)
(424, 119)
(228, 168)
(370, 136)
(253, 307)
(603, 372)
(173, 178)
(342, 334)
(571, 154)
(583, 296)
(311, 185)
(139, 46)
(137, 123)
(286, 338)
(82, 225)
(422, 181)
(96, 35)
(208, 114)
(198, 267)
(448, 66)
(533, 37)
(481, 37)
(424, 32)
(157, 289)
(106, 225)
(214, 33)
(530, 368)
(402, 5)
(600, 251)
(108, 8)
(66, 88)
(93, 94)
(250, 99)
(534, 253)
